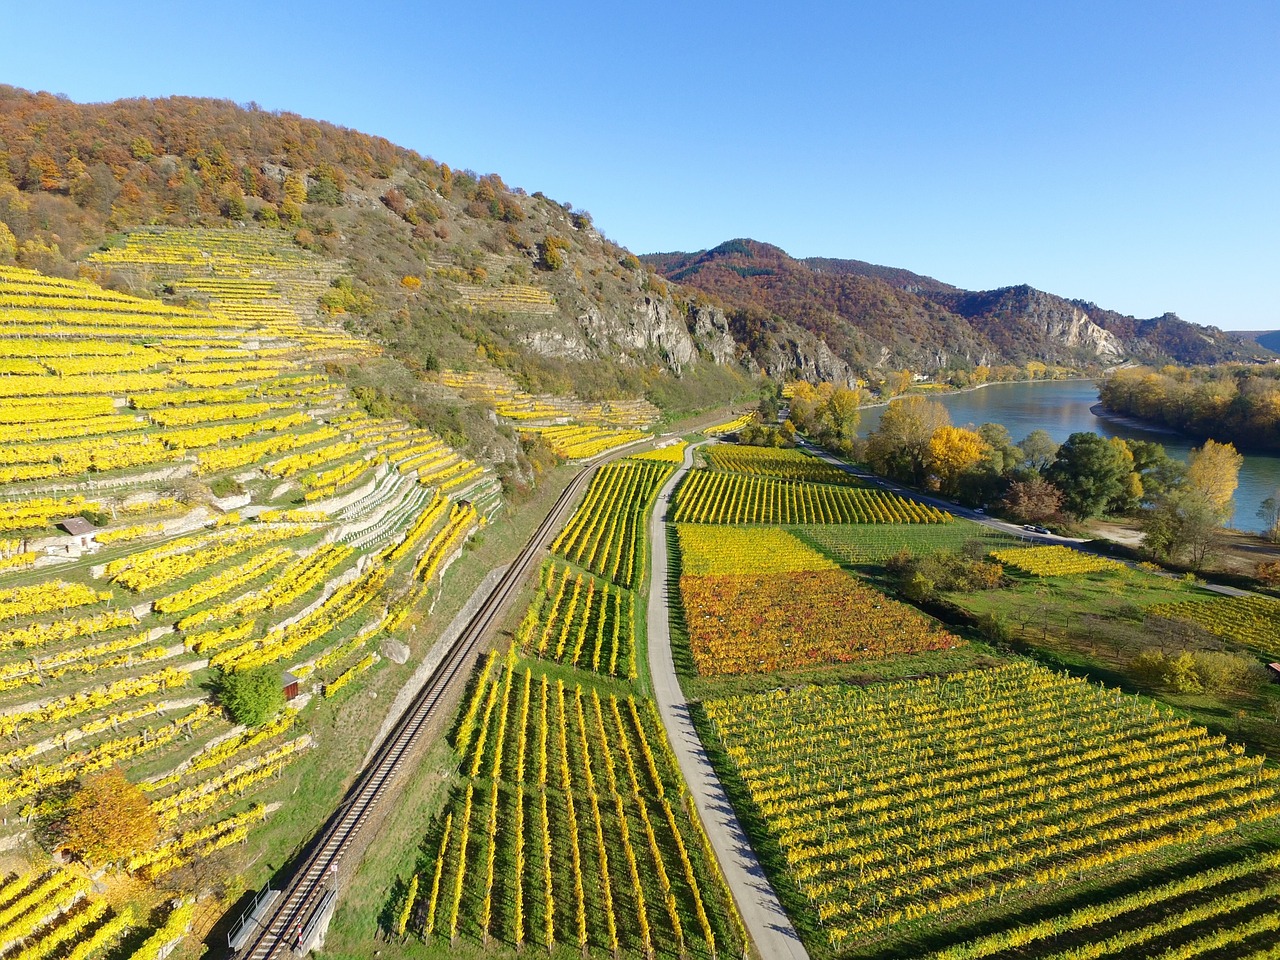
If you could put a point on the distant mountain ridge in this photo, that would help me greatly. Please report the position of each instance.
(451, 268)
(796, 315)
(1268, 338)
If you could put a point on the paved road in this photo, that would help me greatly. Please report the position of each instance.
(766, 921)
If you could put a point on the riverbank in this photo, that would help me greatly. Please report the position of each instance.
(957, 391)
(1132, 423)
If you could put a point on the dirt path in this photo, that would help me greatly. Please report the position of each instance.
(767, 923)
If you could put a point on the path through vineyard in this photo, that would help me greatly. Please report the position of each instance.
(766, 921)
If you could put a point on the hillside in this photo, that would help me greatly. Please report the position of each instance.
(190, 500)
(872, 317)
(1267, 338)
(447, 268)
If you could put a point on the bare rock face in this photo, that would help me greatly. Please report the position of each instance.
(710, 330)
(653, 328)
(1080, 331)
(808, 358)
(558, 344)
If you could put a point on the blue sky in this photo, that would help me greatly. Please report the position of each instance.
(1127, 153)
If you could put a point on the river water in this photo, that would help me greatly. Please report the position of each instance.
(1063, 407)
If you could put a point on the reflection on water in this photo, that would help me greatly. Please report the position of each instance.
(1063, 408)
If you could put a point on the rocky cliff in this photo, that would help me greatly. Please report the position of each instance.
(828, 318)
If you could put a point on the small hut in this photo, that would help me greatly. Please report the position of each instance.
(1274, 670)
(290, 685)
(81, 532)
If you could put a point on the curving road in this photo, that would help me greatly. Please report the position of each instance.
(766, 922)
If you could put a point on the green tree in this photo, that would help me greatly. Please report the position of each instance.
(252, 697)
(1038, 450)
(1003, 455)
(1091, 472)
(1186, 523)
(1160, 473)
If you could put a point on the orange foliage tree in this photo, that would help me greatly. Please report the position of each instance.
(109, 819)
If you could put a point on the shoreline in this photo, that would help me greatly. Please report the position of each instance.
(976, 386)
(1135, 423)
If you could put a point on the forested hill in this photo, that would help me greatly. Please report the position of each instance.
(446, 266)
(869, 315)
(451, 268)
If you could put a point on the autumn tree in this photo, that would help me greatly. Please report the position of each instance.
(899, 446)
(1187, 521)
(108, 819)
(828, 413)
(1214, 469)
(952, 451)
(1034, 500)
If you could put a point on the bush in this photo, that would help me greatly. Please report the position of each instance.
(955, 571)
(1267, 573)
(1197, 671)
(995, 627)
(252, 697)
(226, 487)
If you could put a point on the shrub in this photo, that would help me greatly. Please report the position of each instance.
(1267, 573)
(252, 697)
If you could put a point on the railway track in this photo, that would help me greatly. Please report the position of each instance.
(293, 916)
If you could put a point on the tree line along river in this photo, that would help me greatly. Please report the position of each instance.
(1064, 407)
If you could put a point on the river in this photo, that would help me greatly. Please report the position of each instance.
(1062, 407)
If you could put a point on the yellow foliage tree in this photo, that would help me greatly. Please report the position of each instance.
(109, 819)
(1214, 470)
(8, 244)
(952, 451)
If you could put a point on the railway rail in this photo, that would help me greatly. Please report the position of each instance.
(293, 918)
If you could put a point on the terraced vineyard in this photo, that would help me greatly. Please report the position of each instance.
(121, 418)
(525, 408)
(52, 913)
(583, 442)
